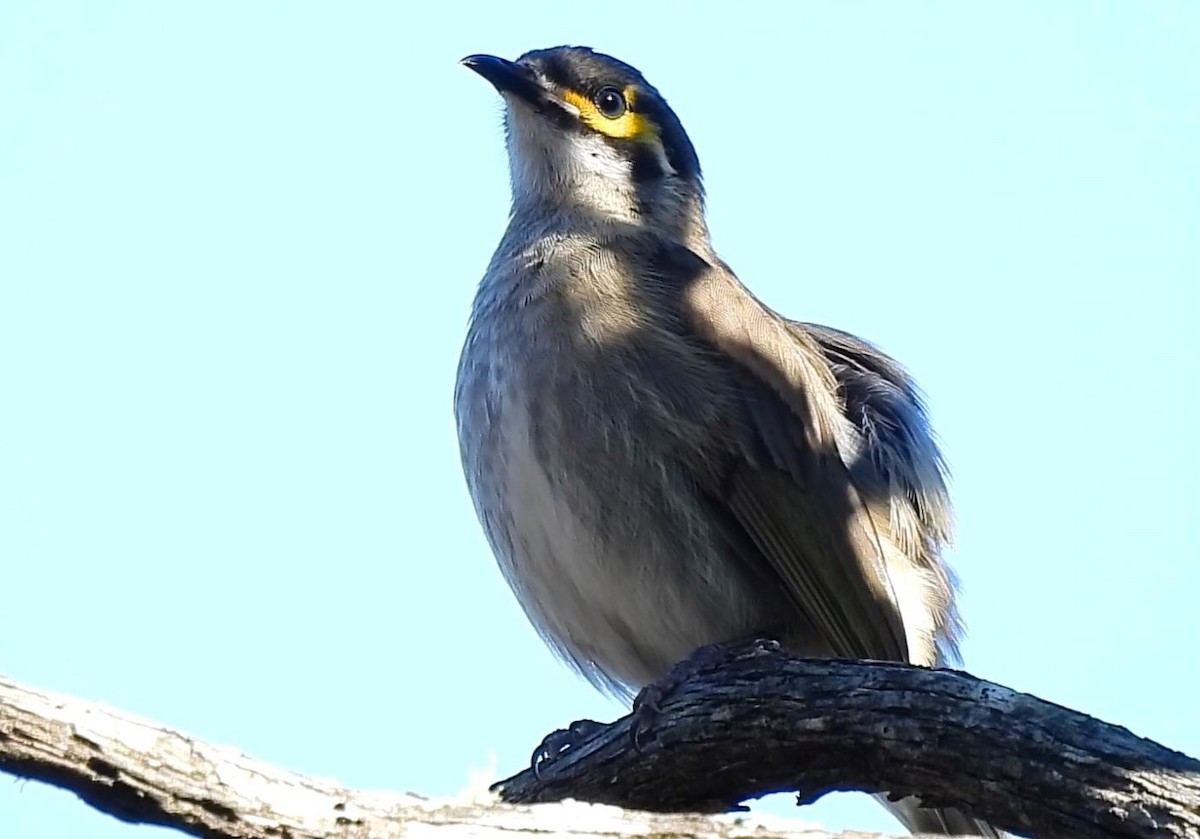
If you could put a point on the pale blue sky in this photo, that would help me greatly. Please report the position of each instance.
(238, 243)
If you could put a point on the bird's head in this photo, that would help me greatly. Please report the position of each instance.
(586, 130)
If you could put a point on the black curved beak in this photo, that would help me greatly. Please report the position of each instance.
(509, 77)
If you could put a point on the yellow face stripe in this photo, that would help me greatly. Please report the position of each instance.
(628, 126)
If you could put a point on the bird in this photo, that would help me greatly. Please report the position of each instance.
(659, 461)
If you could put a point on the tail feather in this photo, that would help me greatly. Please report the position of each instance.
(918, 819)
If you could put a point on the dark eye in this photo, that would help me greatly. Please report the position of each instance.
(610, 102)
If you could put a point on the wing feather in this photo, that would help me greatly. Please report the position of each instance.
(787, 484)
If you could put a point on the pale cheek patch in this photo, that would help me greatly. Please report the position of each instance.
(597, 157)
(545, 160)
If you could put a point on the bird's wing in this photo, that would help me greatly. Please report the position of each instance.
(902, 478)
(787, 484)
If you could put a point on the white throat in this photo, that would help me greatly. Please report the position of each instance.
(566, 168)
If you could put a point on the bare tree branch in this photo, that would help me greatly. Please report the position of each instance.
(759, 722)
(142, 773)
(763, 721)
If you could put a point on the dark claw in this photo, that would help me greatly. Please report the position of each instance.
(646, 707)
(557, 742)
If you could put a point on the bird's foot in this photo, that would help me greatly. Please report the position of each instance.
(557, 742)
(647, 703)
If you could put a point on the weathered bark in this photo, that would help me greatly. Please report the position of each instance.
(762, 721)
(139, 772)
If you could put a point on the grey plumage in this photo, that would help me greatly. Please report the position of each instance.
(659, 460)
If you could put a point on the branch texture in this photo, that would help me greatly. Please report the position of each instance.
(139, 772)
(761, 720)
(756, 722)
